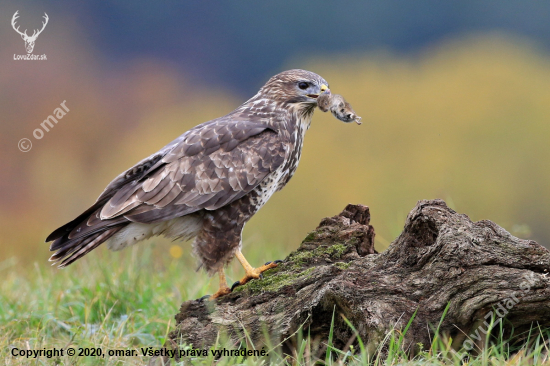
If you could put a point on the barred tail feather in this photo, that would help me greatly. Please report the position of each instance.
(71, 250)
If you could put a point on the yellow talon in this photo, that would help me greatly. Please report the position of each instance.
(251, 272)
(224, 288)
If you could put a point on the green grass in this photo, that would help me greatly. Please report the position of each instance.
(128, 301)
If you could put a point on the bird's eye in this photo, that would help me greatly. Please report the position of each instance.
(303, 85)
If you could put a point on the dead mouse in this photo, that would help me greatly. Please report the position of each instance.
(324, 101)
(338, 106)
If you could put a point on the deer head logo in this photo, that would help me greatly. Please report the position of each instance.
(29, 41)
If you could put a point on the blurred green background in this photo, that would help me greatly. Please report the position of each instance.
(455, 101)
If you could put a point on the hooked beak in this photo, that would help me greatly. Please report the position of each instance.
(324, 89)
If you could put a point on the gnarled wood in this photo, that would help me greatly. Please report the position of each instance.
(440, 259)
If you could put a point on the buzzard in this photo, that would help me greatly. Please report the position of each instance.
(206, 184)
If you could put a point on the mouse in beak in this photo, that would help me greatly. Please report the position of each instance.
(338, 106)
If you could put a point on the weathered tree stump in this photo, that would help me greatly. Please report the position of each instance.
(441, 259)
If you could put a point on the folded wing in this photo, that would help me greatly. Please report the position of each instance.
(206, 171)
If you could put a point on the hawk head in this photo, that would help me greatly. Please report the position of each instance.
(295, 86)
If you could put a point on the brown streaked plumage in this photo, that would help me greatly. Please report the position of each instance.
(207, 183)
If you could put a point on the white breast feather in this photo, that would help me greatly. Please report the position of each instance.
(183, 228)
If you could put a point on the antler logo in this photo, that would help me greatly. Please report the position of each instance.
(29, 41)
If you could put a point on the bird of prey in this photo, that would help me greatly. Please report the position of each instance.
(206, 184)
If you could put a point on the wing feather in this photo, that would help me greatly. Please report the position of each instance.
(210, 167)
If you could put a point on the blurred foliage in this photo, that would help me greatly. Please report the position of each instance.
(466, 121)
(238, 43)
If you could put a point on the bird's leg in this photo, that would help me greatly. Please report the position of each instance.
(251, 272)
(224, 288)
